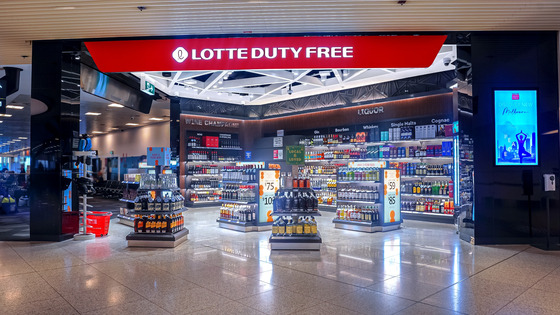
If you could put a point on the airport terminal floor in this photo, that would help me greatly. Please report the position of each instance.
(422, 268)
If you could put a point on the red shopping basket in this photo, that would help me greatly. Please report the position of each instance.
(98, 222)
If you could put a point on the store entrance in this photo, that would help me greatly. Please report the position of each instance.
(349, 125)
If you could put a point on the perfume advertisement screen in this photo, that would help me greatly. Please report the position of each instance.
(515, 113)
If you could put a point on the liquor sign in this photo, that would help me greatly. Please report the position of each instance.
(246, 53)
(158, 156)
(295, 155)
(392, 197)
(269, 183)
(515, 123)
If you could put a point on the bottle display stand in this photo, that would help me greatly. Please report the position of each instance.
(152, 202)
(129, 192)
(370, 215)
(247, 218)
(166, 240)
(296, 241)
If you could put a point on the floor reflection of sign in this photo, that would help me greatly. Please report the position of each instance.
(269, 182)
(392, 199)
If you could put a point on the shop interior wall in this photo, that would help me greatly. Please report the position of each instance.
(132, 142)
(514, 60)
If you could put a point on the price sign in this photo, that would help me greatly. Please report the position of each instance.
(158, 156)
(392, 197)
(278, 142)
(269, 183)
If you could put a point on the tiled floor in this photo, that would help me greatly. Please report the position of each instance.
(421, 269)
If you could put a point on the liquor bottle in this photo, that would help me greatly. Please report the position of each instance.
(157, 204)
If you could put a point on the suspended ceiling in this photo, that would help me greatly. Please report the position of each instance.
(259, 87)
(26, 20)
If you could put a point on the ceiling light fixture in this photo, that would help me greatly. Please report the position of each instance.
(65, 8)
(97, 132)
(6, 115)
(131, 124)
(93, 114)
(14, 107)
(23, 138)
(155, 118)
(345, 73)
(116, 105)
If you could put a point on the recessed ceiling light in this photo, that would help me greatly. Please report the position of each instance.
(93, 114)
(23, 138)
(16, 140)
(64, 8)
(6, 115)
(14, 107)
(1, 121)
(97, 132)
(155, 118)
(131, 124)
(114, 128)
(116, 105)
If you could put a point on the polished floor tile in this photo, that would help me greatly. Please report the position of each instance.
(406, 288)
(279, 301)
(475, 296)
(425, 309)
(371, 302)
(422, 268)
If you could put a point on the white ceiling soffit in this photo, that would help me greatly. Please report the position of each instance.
(269, 86)
(26, 20)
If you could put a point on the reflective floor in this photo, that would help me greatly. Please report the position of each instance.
(421, 269)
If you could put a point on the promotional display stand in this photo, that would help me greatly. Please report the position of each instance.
(295, 227)
(248, 202)
(159, 237)
(374, 210)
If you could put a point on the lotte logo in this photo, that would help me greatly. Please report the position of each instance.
(180, 54)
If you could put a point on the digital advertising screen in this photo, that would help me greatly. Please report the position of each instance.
(515, 123)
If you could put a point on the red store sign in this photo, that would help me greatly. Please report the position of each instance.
(312, 52)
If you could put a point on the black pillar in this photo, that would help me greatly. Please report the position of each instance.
(510, 60)
(55, 82)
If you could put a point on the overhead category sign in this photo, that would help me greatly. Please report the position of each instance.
(303, 52)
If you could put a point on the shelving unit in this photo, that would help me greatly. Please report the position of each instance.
(250, 214)
(386, 153)
(139, 239)
(299, 241)
(206, 150)
(373, 215)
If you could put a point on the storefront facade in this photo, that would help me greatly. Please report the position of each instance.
(508, 202)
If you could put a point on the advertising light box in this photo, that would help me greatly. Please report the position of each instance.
(515, 123)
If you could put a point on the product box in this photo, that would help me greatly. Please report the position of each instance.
(432, 131)
(384, 151)
(210, 142)
(448, 130)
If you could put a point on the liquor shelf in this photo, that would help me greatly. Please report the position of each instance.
(428, 216)
(158, 212)
(427, 196)
(166, 240)
(357, 181)
(361, 202)
(362, 226)
(238, 202)
(310, 242)
(296, 214)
